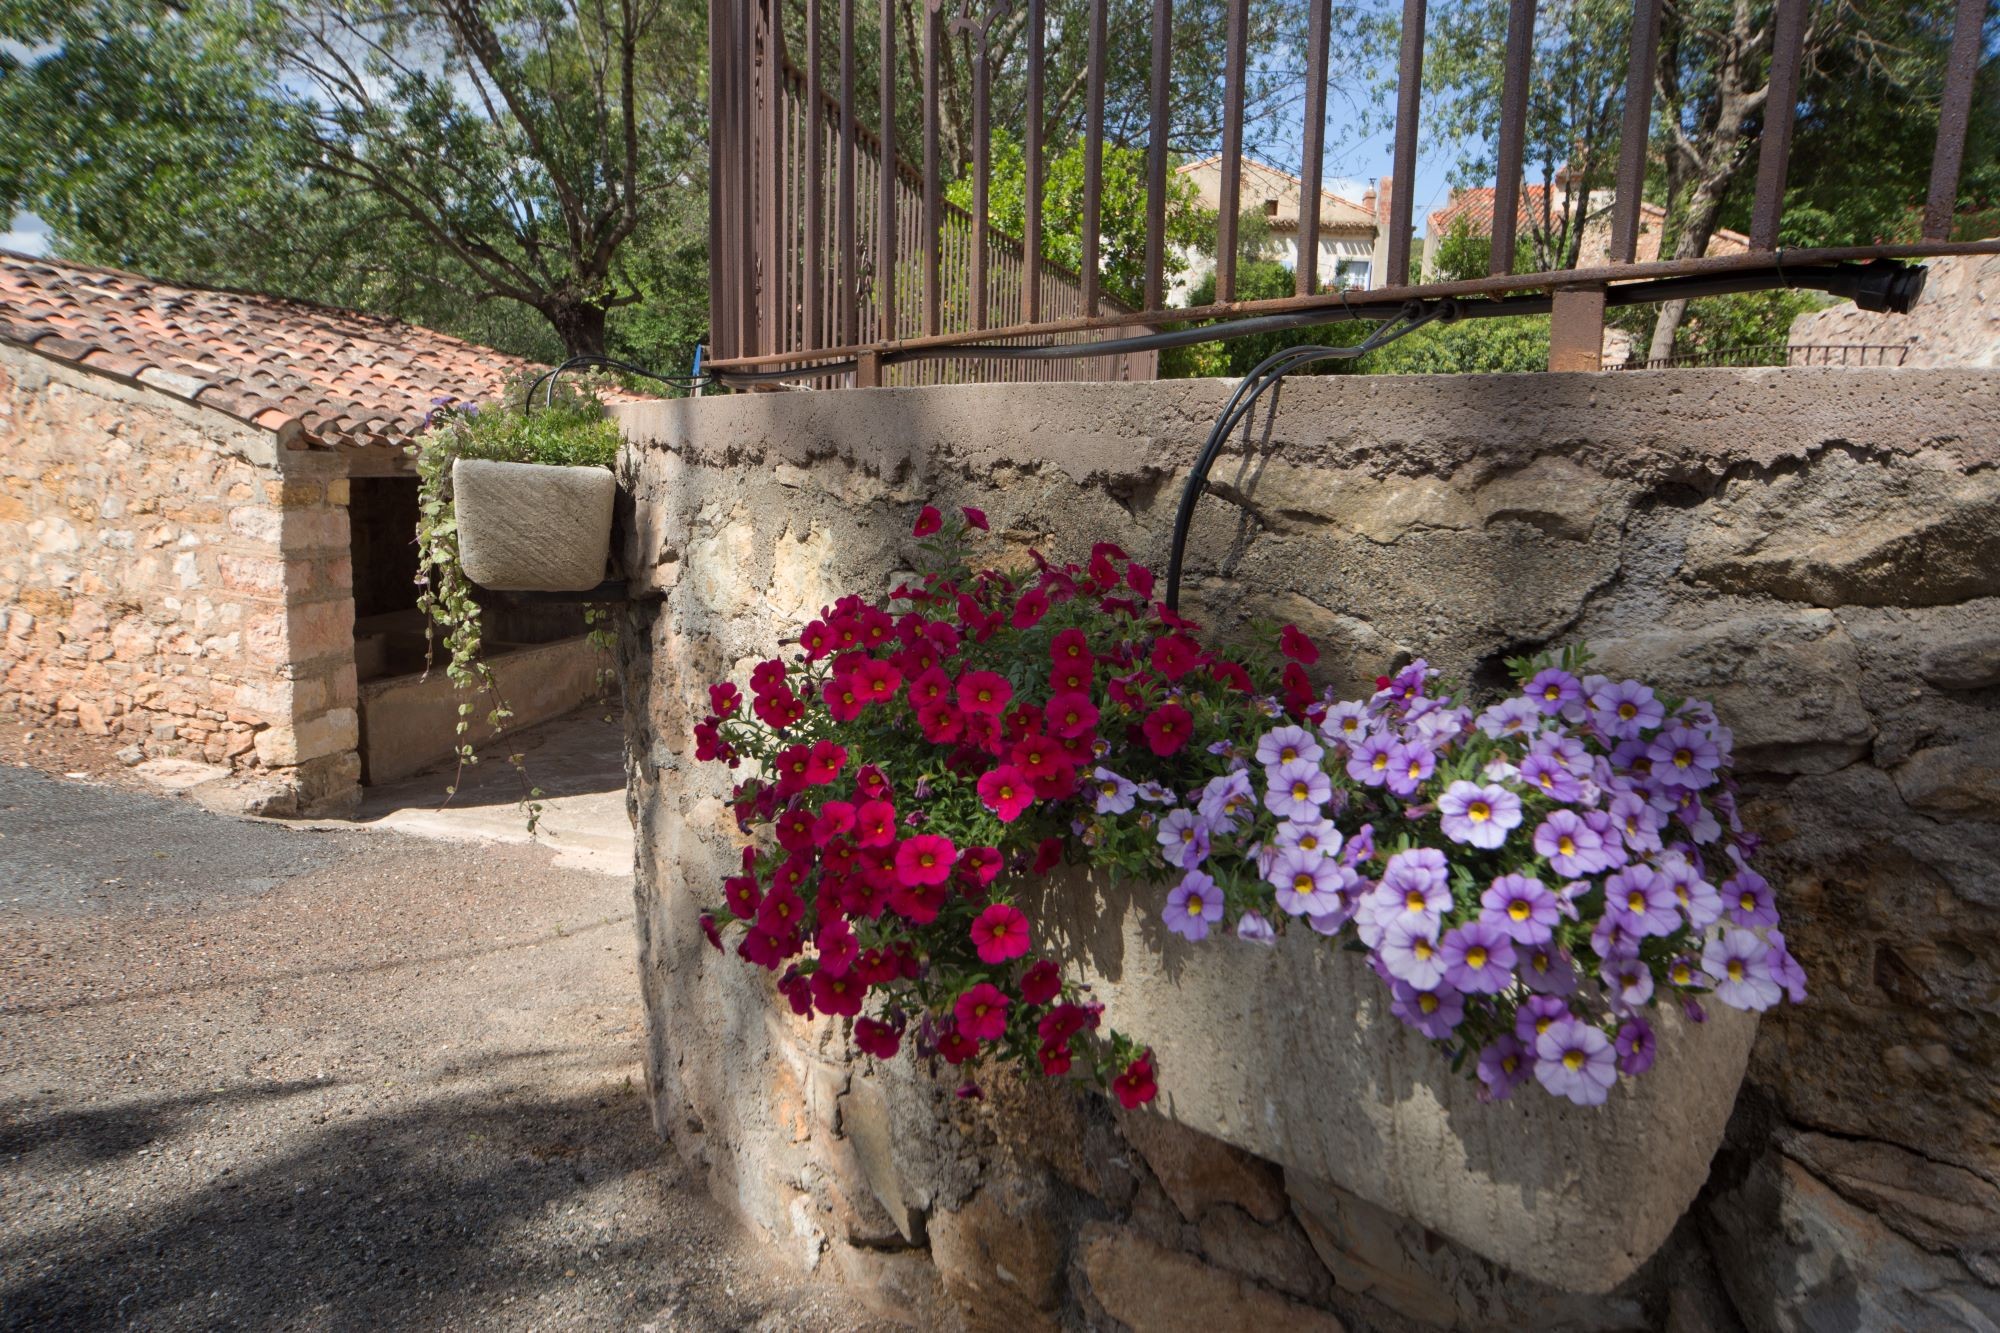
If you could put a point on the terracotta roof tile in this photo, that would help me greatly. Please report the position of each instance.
(346, 377)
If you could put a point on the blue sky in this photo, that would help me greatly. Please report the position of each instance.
(29, 235)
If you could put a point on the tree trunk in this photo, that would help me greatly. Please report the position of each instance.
(1704, 206)
(580, 325)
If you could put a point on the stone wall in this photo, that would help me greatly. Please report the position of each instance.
(177, 580)
(1817, 551)
(1956, 322)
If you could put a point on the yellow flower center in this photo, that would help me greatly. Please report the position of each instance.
(1475, 957)
(1309, 843)
(1300, 791)
(1427, 1002)
(1414, 901)
(1302, 883)
(1635, 901)
(1479, 812)
(1416, 769)
(1748, 902)
(1108, 788)
(1683, 757)
(1381, 762)
(1422, 949)
(1509, 1063)
(1566, 845)
(1552, 693)
(1287, 754)
(1194, 904)
(1572, 1060)
(1626, 712)
(1735, 969)
(1542, 1025)
(1682, 974)
(1519, 909)
(1548, 780)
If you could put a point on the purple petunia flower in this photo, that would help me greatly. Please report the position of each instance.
(1416, 882)
(1481, 816)
(1566, 750)
(1572, 847)
(1785, 969)
(1330, 923)
(1534, 1016)
(1684, 971)
(1702, 826)
(1308, 883)
(1684, 757)
(1440, 727)
(1697, 898)
(1296, 790)
(1546, 774)
(1407, 685)
(1478, 958)
(1746, 896)
(1625, 710)
(1611, 852)
(1522, 907)
(1284, 745)
(1546, 969)
(1369, 764)
(1410, 952)
(1575, 1060)
(1192, 906)
(1253, 927)
(1225, 801)
(1347, 723)
(1510, 717)
(1640, 901)
(1503, 1067)
(1554, 691)
(1183, 836)
(1158, 795)
(1636, 1046)
(1741, 965)
(1434, 1011)
(1628, 982)
(1316, 835)
(1638, 823)
(1114, 794)
(1410, 762)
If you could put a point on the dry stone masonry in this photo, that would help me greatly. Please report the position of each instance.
(1814, 550)
(177, 580)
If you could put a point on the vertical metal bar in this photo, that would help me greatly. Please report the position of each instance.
(1954, 113)
(1156, 156)
(814, 279)
(885, 211)
(771, 237)
(721, 333)
(746, 135)
(1305, 273)
(982, 167)
(1634, 131)
(1781, 103)
(844, 201)
(933, 192)
(1513, 133)
(1093, 153)
(1576, 329)
(1031, 201)
(1232, 150)
(1402, 193)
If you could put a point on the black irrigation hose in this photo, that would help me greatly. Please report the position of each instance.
(548, 377)
(1267, 376)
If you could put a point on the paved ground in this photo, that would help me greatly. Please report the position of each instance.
(259, 1077)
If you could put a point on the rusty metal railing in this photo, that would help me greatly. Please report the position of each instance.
(1854, 355)
(874, 278)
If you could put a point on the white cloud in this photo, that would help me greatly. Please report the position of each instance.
(29, 235)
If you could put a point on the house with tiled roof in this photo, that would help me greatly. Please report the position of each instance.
(206, 532)
(1546, 207)
(1347, 228)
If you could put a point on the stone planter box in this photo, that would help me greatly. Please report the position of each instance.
(528, 527)
(1291, 1053)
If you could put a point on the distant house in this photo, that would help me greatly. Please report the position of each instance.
(1537, 210)
(1347, 229)
(206, 532)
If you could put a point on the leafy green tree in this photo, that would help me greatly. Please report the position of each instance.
(1461, 253)
(1505, 344)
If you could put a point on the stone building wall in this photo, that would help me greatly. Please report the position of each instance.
(1955, 322)
(177, 580)
(1817, 551)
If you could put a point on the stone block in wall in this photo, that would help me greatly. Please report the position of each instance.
(1001, 1254)
(1199, 1171)
(1785, 681)
(1149, 1288)
(1953, 780)
(1945, 1209)
(329, 733)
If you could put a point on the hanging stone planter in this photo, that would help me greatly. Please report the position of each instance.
(530, 527)
(1289, 1052)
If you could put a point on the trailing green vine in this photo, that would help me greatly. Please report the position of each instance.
(570, 431)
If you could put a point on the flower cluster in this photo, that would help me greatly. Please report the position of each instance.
(1528, 880)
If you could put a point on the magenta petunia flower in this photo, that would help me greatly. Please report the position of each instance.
(1521, 906)
(1625, 710)
(1193, 905)
(1284, 745)
(1478, 958)
(1369, 764)
(1640, 901)
(1434, 1011)
(1575, 1060)
(1114, 794)
(1410, 952)
(1741, 965)
(1006, 791)
(1410, 762)
(1503, 1067)
(1684, 757)
(1481, 816)
(982, 1012)
(1746, 896)
(925, 858)
(1000, 933)
(1636, 1046)
(1296, 790)
(1167, 729)
(1572, 847)
(1308, 883)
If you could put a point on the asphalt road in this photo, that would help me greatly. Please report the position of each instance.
(262, 1078)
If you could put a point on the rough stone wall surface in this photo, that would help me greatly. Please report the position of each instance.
(1818, 552)
(1956, 322)
(177, 580)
